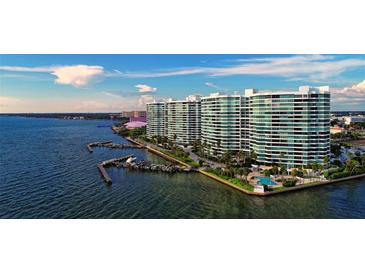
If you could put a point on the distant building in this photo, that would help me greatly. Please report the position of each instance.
(133, 113)
(336, 129)
(348, 120)
(136, 124)
(137, 119)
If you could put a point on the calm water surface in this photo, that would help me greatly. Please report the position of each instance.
(47, 172)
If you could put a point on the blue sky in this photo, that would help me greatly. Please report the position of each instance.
(98, 83)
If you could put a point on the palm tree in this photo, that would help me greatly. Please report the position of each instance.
(294, 173)
(315, 167)
(253, 155)
(281, 158)
(241, 155)
(275, 170)
(326, 161)
(244, 171)
(320, 168)
(362, 159)
(351, 165)
(282, 171)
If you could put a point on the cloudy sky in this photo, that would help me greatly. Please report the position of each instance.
(110, 83)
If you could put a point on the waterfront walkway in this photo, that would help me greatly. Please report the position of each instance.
(226, 182)
(197, 158)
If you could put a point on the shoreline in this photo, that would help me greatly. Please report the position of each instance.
(226, 182)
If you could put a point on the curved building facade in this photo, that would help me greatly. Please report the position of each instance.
(221, 123)
(291, 128)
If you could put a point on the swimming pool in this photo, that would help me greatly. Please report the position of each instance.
(265, 181)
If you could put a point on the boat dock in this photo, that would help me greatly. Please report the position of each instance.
(110, 144)
(111, 162)
(105, 175)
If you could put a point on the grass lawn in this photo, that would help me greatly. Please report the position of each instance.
(187, 160)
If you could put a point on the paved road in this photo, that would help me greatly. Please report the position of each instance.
(196, 158)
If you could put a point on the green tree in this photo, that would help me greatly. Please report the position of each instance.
(326, 161)
(266, 172)
(275, 170)
(241, 156)
(227, 157)
(351, 165)
(336, 149)
(294, 172)
(244, 171)
(314, 167)
(282, 171)
(362, 159)
(253, 155)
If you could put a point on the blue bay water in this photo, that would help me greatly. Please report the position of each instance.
(47, 172)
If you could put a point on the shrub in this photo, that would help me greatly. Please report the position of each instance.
(337, 163)
(290, 183)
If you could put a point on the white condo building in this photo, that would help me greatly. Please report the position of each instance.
(224, 121)
(182, 120)
(290, 128)
(285, 127)
(155, 119)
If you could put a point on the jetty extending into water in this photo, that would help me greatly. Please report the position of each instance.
(129, 162)
(148, 166)
(110, 144)
(112, 162)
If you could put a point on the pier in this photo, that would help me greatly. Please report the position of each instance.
(148, 166)
(105, 175)
(112, 162)
(110, 144)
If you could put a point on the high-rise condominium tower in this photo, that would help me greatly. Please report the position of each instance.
(155, 119)
(286, 127)
(183, 120)
(291, 128)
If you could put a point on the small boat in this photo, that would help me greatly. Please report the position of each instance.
(131, 160)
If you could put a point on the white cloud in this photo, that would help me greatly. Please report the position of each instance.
(76, 75)
(359, 87)
(145, 88)
(353, 95)
(27, 69)
(315, 67)
(144, 99)
(209, 84)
